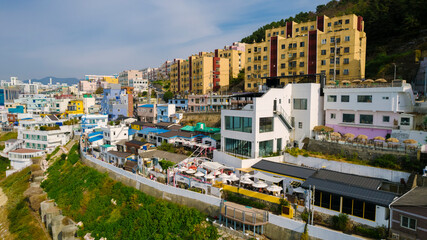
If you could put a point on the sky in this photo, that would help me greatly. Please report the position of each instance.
(78, 37)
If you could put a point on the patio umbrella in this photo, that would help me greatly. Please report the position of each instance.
(410, 141)
(336, 134)
(190, 171)
(217, 172)
(210, 176)
(223, 175)
(322, 128)
(246, 181)
(193, 167)
(368, 81)
(274, 188)
(260, 184)
(247, 175)
(183, 169)
(349, 135)
(233, 177)
(393, 140)
(356, 81)
(199, 174)
(382, 80)
(299, 190)
(331, 82)
(362, 137)
(345, 81)
(379, 138)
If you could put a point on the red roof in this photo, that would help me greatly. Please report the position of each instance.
(25, 150)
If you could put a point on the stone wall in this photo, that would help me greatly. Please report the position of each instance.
(348, 150)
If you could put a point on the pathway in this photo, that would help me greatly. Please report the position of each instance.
(4, 222)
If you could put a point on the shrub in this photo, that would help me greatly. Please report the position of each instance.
(376, 233)
(52, 153)
(340, 222)
(305, 215)
(233, 197)
(304, 235)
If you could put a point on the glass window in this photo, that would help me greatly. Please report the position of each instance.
(346, 61)
(301, 44)
(332, 98)
(265, 148)
(333, 116)
(283, 46)
(348, 118)
(346, 49)
(323, 41)
(241, 124)
(369, 211)
(408, 222)
(279, 145)
(366, 119)
(347, 204)
(266, 124)
(300, 103)
(283, 56)
(317, 198)
(299, 124)
(357, 208)
(239, 147)
(335, 202)
(323, 62)
(364, 98)
(405, 121)
(345, 98)
(386, 118)
(323, 52)
(326, 200)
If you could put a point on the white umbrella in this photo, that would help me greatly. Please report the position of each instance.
(199, 174)
(260, 184)
(190, 171)
(223, 175)
(247, 175)
(274, 188)
(299, 190)
(217, 172)
(210, 176)
(233, 177)
(183, 169)
(246, 181)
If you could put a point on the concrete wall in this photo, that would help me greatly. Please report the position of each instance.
(390, 175)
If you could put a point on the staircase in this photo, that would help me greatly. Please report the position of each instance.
(14, 146)
(284, 117)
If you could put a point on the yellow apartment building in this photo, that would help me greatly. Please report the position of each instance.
(333, 46)
(200, 74)
(75, 107)
(236, 59)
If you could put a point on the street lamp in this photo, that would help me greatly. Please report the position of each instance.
(394, 71)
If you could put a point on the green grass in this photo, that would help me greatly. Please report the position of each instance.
(4, 164)
(9, 135)
(52, 153)
(21, 222)
(85, 194)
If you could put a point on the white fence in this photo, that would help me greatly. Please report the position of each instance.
(314, 231)
(390, 175)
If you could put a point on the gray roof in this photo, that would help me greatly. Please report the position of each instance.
(173, 157)
(52, 117)
(120, 154)
(284, 169)
(417, 197)
(350, 179)
(11, 140)
(377, 197)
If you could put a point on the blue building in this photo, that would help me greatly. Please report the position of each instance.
(165, 112)
(92, 121)
(115, 102)
(17, 109)
(180, 104)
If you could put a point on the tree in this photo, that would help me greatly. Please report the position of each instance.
(168, 95)
(144, 93)
(100, 90)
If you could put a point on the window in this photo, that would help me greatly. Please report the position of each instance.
(301, 54)
(408, 222)
(346, 71)
(249, 59)
(283, 46)
(264, 67)
(266, 124)
(332, 98)
(385, 98)
(240, 147)
(348, 118)
(347, 49)
(265, 49)
(279, 144)
(299, 124)
(265, 148)
(332, 50)
(347, 21)
(326, 200)
(297, 30)
(294, 45)
(301, 64)
(366, 119)
(283, 65)
(282, 32)
(332, 39)
(333, 116)
(323, 52)
(331, 61)
(240, 124)
(283, 56)
(264, 58)
(249, 68)
(323, 41)
(345, 98)
(347, 38)
(301, 44)
(364, 98)
(329, 24)
(249, 50)
(323, 62)
(346, 61)
(405, 121)
(300, 103)
(386, 118)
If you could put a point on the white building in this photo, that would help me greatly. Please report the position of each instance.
(139, 84)
(113, 134)
(46, 139)
(91, 121)
(371, 110)
(21, 158)
(280, 117)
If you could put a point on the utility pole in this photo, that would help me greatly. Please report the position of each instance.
(335, 59)
(312, 210)
(394, 78)
(425, 83)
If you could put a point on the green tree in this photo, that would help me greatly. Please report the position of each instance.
(168, 95)
(99, 90)
(144, 93)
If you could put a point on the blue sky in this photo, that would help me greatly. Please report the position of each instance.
(77, 37)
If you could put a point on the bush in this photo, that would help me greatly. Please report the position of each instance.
(236, 198)
(376, 233)
(340, 222)
(304, 235)
(52, 153)
(166, 164)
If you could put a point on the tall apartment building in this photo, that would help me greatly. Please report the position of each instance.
(127, 75)
(200, 74)
(333, 46)
(236, 56)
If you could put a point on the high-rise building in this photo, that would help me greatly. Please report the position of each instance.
(127, 75)
(236, 55)
(200, 74)
(333, 46)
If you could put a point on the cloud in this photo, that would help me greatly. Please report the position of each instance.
(74, 38)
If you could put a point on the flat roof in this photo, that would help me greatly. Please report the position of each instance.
(25, 150)
(284, 169)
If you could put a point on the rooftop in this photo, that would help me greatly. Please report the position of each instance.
(284, 169)
(173, 157)
(416, 197)
(120, 154)
(25, 150)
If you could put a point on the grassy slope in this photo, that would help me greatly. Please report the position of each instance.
(9, 135)
(85, 195)
(4, 164)
(22, 223)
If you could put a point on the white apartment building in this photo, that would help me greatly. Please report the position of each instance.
(126, 76)
(113, 134)
(280, 117)
(139, 84)
(92, 121)
(372, 110)
(21, 158)
(46, 140)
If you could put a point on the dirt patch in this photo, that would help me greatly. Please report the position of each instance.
(4, 222)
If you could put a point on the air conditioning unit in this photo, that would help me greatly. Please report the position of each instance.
(394, 236)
